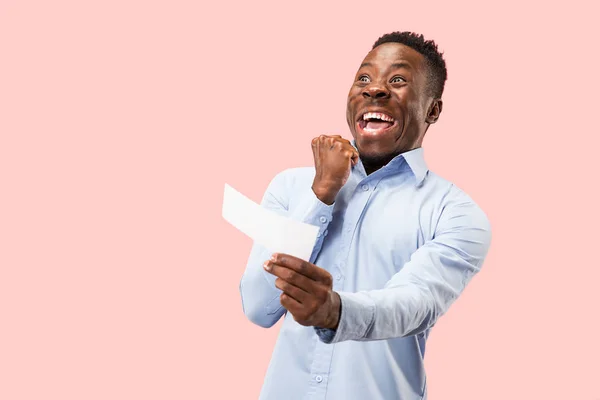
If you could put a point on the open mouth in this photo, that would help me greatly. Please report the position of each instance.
(375, 123)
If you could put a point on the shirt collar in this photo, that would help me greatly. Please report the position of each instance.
(415, 160)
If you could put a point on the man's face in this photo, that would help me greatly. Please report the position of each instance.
(388, 104)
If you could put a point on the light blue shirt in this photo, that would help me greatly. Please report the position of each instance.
(401, 244)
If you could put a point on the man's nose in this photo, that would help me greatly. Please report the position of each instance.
(376, 92)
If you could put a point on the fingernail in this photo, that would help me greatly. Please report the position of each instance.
(274, 257)
(267, 266)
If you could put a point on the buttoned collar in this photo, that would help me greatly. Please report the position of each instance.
(416, 161)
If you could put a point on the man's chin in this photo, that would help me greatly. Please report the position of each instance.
(373, 149)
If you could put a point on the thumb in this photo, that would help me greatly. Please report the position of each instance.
(354, 158)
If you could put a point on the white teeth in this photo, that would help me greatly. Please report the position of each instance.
(380, 116)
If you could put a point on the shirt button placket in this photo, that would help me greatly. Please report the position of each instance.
(339, 275)
(323, 220)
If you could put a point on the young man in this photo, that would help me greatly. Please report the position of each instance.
(397, 244)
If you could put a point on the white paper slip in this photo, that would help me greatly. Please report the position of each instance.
(275, 232)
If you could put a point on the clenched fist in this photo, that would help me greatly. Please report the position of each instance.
(334, 157)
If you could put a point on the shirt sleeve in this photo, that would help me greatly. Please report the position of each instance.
(260, 297)
(423, 290)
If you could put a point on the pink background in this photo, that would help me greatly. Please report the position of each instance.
(120, 122)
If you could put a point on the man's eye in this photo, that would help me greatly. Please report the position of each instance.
(398, 79)
(364, 78)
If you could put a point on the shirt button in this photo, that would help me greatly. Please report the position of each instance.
(365, 187)
(319, 378)
(338, 277)
(323, 219)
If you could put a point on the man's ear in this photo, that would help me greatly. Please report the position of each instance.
(434, 111)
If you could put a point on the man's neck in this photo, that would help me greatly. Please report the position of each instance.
(373, 166)
(369, 169)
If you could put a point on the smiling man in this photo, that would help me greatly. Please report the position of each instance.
(397, 244)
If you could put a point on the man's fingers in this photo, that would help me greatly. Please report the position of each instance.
(346, 145)
(293, 291)
(290, 276)
(291, 305)
(330, 139)
(302, 267)
(354, 161)
(335, 140)
(301, 314)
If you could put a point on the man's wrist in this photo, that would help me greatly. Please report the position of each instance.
(335, 312)
(325, 194)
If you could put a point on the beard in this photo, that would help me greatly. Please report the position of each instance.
(376, 160)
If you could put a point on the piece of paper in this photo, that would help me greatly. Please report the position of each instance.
(275, 232)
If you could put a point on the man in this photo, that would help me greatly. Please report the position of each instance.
(397, 244)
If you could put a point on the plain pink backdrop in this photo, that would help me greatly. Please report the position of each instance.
(120, 121)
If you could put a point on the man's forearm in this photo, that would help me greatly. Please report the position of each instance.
(260, 297)
(421, 292)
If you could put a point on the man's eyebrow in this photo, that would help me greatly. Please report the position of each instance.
(401, 65)
(394, 66)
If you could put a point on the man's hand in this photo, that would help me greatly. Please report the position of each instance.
(334, 157)
(307, 291)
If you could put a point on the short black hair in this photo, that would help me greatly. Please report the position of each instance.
(437, 73)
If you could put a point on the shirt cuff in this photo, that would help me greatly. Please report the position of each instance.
(356, 319)
(325, 335)
(314, 212)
